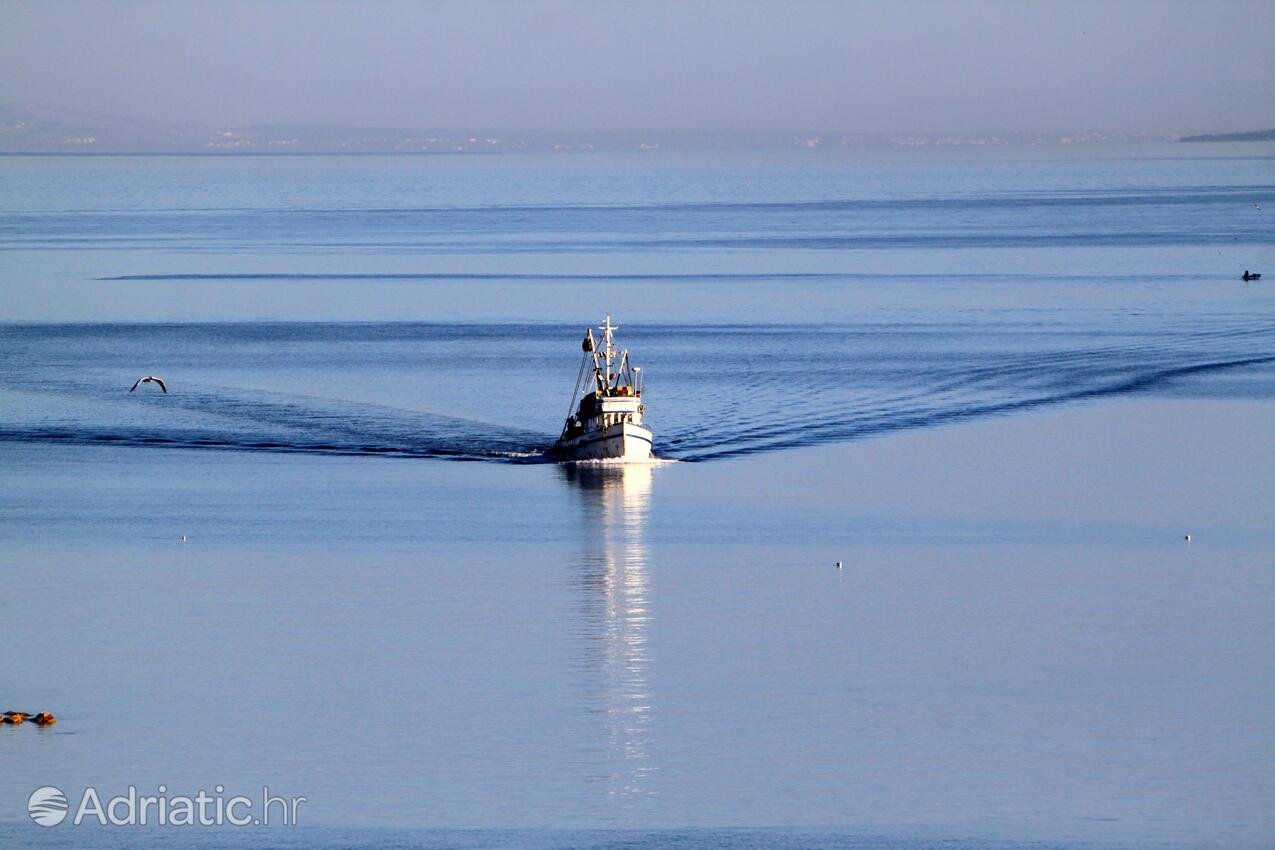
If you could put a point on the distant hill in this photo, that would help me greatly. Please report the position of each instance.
(38, 128)
(35, 128)
(1253, 136)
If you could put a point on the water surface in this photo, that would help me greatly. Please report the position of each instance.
(1000, 391)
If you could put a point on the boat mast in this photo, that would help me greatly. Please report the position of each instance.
(607, 329)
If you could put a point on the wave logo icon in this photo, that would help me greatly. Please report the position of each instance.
(47, 806)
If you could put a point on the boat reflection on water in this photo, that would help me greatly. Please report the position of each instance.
(616, 609)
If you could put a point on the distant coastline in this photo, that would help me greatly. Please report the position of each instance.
(1251, 136)
(37, 130)
(33, 129)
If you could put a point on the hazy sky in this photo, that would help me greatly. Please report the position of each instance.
(860, 67)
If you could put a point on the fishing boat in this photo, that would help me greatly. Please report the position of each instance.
(607, 420)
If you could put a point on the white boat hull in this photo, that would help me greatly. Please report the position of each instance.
(623, 442)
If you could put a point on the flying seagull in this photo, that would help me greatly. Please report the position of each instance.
(151, 379)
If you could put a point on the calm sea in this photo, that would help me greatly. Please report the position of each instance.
(506, 652)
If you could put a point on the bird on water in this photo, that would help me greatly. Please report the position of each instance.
(151, 379)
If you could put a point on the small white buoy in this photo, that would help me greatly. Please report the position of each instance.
(1188, 538)
(838, 565)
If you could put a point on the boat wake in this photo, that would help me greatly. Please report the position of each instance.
(615, 461)
(229, 419)
(784, 387)
(921, 412)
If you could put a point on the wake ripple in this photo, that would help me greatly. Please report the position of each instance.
(883, 421)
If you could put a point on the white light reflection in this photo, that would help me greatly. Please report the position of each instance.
(616, 608)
